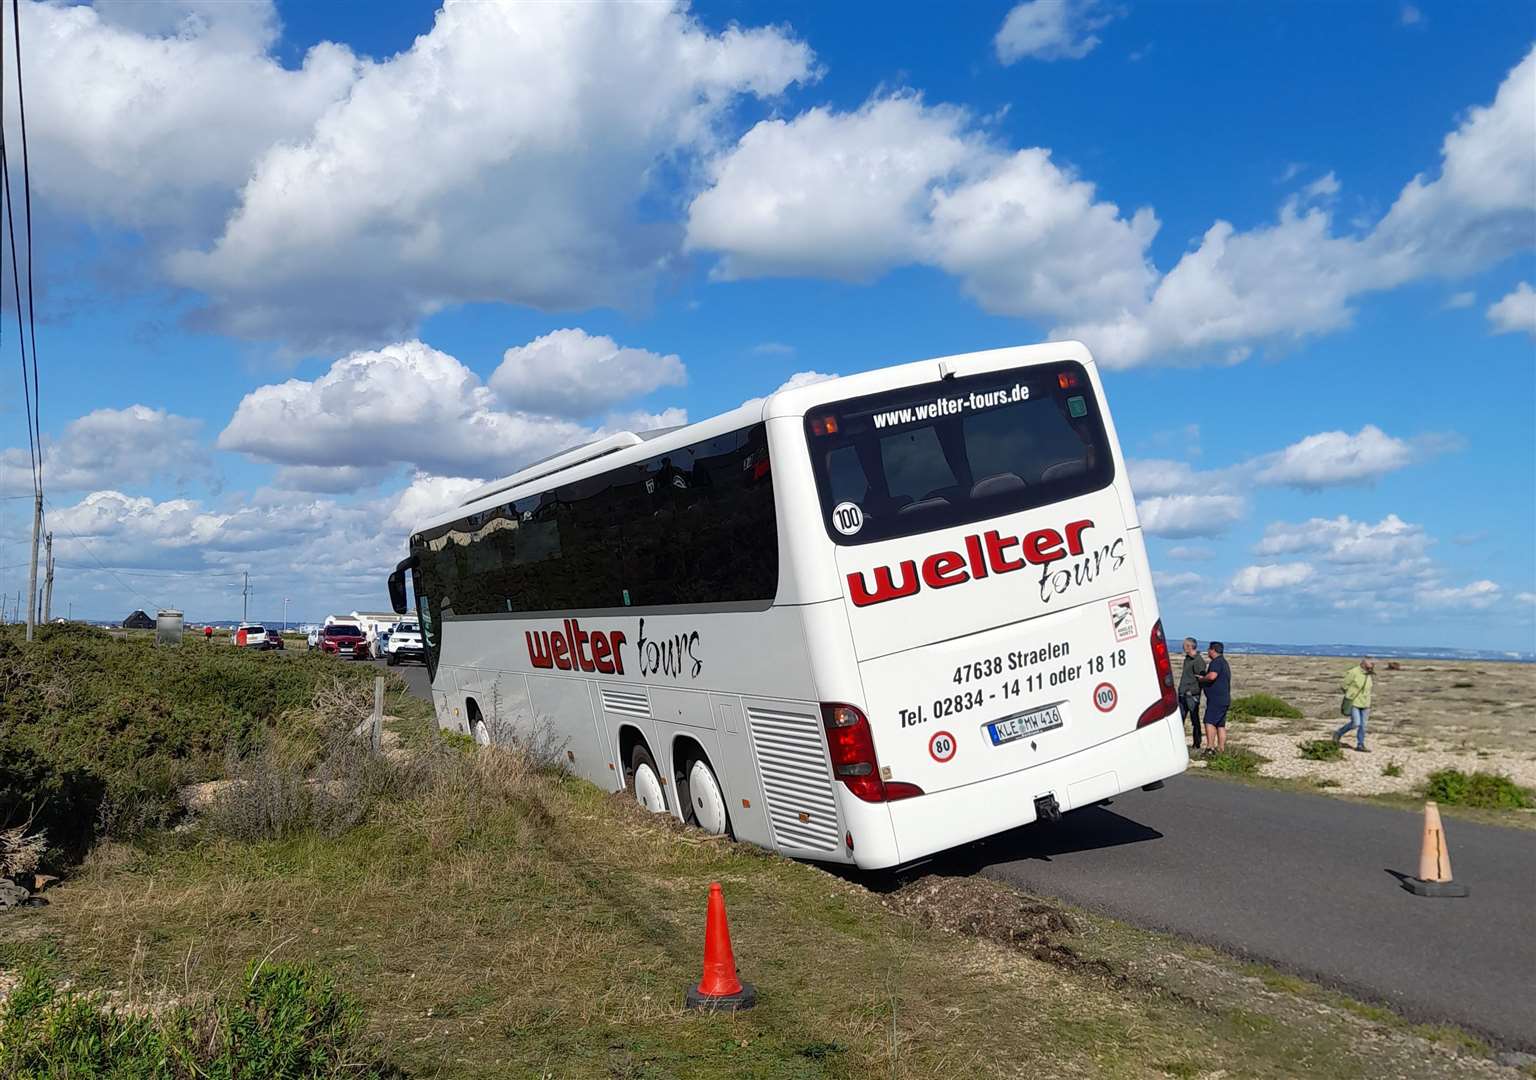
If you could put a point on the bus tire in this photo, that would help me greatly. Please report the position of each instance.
(645, 781)
(479, 730)
(706, 802)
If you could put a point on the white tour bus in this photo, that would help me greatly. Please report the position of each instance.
(860, 621)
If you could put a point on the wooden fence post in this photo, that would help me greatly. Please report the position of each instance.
(378, 712)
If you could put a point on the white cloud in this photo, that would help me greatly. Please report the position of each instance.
(1161, 476)
(1460, 300)
(1475, 596)
(574, 374)
(851, 195)
(113, 447)
(426, 496)
(643, 421)
(1516, 312)
(1367, 571)
(1051, 30)
(898, 182)
(1332, 458)
(329, 479)
(840, 195)
(154, 113)
(803, 378)
(1181, 516)
(1270, 577)
(1324, 187)
(503, 157)
(1179, 582)
(1190, 553)
(404, 404)
(1410, 15)
(1390, 541)
(410, 404)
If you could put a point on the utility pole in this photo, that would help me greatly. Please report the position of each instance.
(285, 614)
(48, 581)
(37, 527)
(245, 599)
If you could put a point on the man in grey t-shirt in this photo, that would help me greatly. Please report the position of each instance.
(1189, 686)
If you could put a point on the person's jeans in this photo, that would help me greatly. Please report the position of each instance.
(1189, 709)
(1357, 718)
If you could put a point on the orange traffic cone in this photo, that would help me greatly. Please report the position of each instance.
(1434, 860)
(720, 988)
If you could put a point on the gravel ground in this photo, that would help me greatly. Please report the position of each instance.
(1428, 715)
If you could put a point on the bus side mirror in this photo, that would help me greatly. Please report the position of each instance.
(397, 584)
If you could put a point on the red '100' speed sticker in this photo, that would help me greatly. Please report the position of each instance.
(942, 746)
(1104, 697)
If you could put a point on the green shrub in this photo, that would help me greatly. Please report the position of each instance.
(1237, 761)
(1265, 705)
(1392, 768)
(99, 732)
(1488, 791)
(287, 1022)
(1321, 750)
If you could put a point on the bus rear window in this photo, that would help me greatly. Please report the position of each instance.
(952, 452)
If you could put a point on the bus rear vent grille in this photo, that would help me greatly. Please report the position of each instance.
(627, 703)
(797, 782)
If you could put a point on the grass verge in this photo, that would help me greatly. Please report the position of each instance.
(504, 920)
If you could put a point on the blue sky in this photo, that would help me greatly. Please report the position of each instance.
(305, 272)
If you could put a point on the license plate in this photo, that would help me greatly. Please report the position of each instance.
(1024, 724)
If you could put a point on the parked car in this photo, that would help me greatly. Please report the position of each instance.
(249, 636)
(404, 643)
(312, 640)
(344, 640)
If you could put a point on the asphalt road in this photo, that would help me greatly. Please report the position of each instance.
(1305, 883)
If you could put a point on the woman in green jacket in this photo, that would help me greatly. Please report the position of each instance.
(1357, 697)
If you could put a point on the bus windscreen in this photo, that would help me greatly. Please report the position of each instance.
(956, 451)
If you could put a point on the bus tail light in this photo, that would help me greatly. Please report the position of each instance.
(1169, 701)
(852, 747)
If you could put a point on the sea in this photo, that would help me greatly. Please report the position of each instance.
(1385, 652)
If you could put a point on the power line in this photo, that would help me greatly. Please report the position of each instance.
(86, 547)
(21, 337)
(26, 185)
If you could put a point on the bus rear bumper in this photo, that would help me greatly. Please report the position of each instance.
(941, 820)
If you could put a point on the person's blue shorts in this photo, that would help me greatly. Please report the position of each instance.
(1216, 713)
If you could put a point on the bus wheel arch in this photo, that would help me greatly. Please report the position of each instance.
(642, 776)
(698, 787)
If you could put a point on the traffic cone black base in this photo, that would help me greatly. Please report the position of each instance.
(722, 1002)
(1420, 887)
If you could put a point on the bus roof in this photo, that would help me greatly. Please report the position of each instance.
(624, 447)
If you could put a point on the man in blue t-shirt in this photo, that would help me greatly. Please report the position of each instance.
(1218, 695)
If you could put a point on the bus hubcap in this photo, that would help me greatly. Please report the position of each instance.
(648, 790)
(708, 803)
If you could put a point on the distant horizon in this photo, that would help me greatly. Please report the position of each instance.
(1274, 648)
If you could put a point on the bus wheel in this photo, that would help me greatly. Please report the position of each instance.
(478, 728)
(706, 800)
(646, 779)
